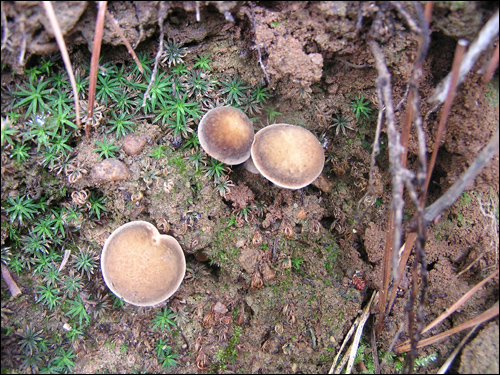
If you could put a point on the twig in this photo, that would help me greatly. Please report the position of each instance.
(161, 18)
(453, 307)
(376, 364)
(67, 253)
(458, 304)
(65, 56)
(444, 368)
(491, 66)
(11, 284)
(485, 316)
(456, 190)
(124, 39)
(494, 226)
(359, 332)
(257, 44)
(375, 150)
(395, 150)
(94, 62)
(353, 348)
(450, 95)
(5, 29)
(23, 41)
(484, 39)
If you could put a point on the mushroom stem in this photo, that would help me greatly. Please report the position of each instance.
(250, 166)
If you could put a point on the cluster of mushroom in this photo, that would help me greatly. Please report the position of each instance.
(289, 156)
(145, 268)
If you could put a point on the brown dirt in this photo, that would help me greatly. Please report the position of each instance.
(293, 315)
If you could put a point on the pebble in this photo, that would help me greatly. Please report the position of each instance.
(220, 308)
(110, 170)
(133, 144)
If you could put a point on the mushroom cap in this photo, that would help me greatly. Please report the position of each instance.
(289, 156)
(140, 265)
(226, 134)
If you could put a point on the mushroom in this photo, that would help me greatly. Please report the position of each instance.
(140, 265)
(289, 156)
(226, 134)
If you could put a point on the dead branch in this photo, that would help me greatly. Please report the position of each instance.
(395, 149)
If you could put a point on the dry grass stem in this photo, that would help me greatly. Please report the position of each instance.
(486, 36)
(450, 95)
(373, 342)
(491, 66)
(446, 365)
(456, 190)
(67, 253)
(358, 325)
(124, 39)
(485, 316)
(458, 304)
(11, 284)
(94, 63)
(65, 56)
(161, 18)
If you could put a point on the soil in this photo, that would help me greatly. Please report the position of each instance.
(277, 294)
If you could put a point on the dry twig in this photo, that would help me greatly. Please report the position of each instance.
(65, 56)
(11, 284)
(487, 34)
(485, 316)
(94, 63)
(124, 40)
(358, 325)
(161, 18)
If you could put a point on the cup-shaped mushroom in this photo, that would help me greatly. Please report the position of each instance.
(289, 156)
(226, 134)
(141, 265)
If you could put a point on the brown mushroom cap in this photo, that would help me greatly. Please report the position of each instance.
(289, 156)
(226, 134)
(140, 265)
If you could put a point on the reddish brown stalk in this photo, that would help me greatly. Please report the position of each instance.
(124, 40)
(11, 284)
(455, 69)
(491, 66)
(485, 316)
(94, 63)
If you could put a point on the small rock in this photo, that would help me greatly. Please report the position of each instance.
(133, 144)
(247, 259)
(110, 170)
(220, 308)
(268, 273)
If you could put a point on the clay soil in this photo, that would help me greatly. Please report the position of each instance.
(277, 293)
